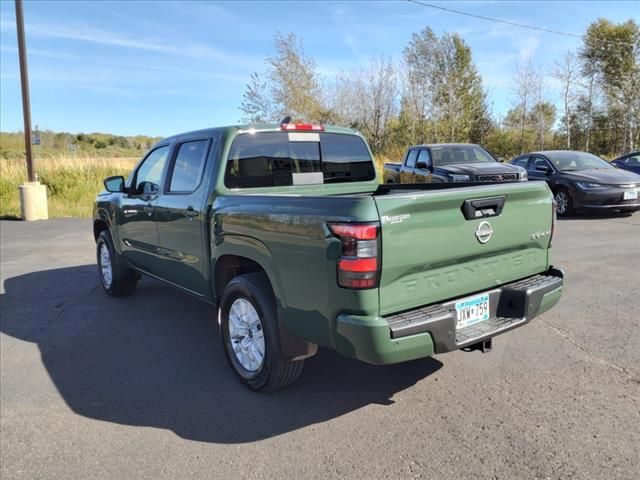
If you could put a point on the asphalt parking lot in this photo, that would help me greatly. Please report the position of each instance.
(97, 387)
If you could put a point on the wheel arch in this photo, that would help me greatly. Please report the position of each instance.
(238, 255)
(99, 226)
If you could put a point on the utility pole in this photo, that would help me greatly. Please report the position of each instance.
(33, 196)
(24, 83)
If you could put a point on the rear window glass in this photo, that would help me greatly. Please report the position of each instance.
(188, 165)
(268, 159)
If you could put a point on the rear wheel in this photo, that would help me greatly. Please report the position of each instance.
(564, 203)
(116, 278)
(250, 335)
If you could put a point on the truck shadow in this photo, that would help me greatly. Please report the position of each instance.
(155, 359)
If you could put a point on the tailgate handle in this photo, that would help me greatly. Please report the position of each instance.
(482, 207)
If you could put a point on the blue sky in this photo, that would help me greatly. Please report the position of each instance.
(159, 68)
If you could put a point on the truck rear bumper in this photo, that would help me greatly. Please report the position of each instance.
(432, 329)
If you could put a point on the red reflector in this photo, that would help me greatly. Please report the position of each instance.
(358, 264)
(302, 126)
(359, 283)
(361, 232)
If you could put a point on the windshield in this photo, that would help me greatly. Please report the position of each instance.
(454, 154)
(574, 161)
(268, 159)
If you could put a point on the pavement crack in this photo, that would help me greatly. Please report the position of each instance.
(589, 354)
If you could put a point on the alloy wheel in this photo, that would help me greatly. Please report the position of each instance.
(105, 265)
(246, 335)
(562, 203)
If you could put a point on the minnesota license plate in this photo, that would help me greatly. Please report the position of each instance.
(472, 310)
(630, 195)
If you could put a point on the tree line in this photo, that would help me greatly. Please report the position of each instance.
(436, 94)
(84, 144)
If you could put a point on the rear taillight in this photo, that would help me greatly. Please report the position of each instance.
(358, 265)
(302, 126)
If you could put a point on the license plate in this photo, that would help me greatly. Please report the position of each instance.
(472, 310)
(630, 195)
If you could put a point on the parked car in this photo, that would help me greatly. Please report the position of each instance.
(630, 161)
(581, 180)
(286, 229)
(450, 162)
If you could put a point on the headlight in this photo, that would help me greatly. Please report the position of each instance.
(590, 186)
(524, 176)
(459, 178)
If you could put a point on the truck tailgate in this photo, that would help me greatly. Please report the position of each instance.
(431, 252)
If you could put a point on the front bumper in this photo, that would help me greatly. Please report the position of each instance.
(432, 329)
(609, 199)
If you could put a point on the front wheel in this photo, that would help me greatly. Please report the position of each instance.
(116, 278)
(564, 203)
(250, 335)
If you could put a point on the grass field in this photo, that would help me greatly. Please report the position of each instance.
(72, 182)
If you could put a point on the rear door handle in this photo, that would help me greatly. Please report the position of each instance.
(190, 212)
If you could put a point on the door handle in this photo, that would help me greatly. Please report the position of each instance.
(148, 209)
(191, 213)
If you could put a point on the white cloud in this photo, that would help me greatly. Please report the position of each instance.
(527, 47)
(84, 33)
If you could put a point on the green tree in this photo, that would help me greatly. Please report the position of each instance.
(611, 53)
(443, 92)
(542, 117)
(290, 86)
(366, 98)
(419, 65)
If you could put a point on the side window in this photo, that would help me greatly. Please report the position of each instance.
(538, 162)
(411, 158)
(188, 165)
(423, 157)
(151, 168)
(633, 161)
(521, 162)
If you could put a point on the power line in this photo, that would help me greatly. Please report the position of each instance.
(513, 24)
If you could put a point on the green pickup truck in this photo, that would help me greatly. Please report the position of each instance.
(288, 231)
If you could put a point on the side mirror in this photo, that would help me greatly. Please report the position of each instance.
(114, 184)
(148, 188)
(423, 166)
(543, 169)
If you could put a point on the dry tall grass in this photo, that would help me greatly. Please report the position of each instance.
(72, 182)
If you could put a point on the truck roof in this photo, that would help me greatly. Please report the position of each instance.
(258, 127)
(430, 145)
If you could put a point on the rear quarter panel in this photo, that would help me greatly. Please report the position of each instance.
(288, 236)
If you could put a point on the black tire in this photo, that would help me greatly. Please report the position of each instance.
(564, 202)
(275, 372)
(123, 278)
